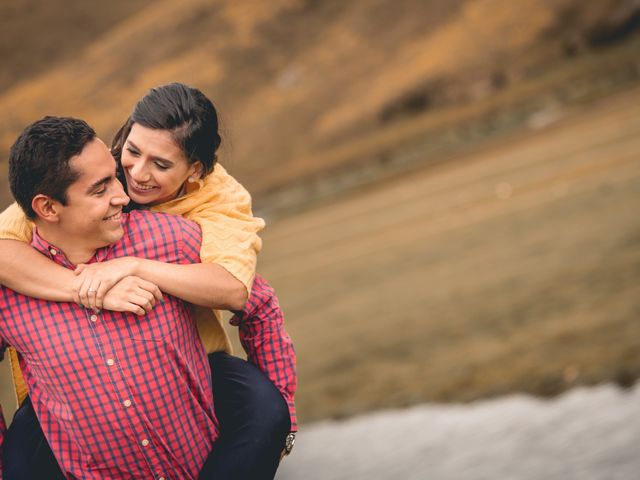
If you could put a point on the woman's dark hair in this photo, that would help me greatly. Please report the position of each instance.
(39, 159)
(186, 113)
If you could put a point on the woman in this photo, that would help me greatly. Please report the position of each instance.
(166, 152)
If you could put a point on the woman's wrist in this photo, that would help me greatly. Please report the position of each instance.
(135, 266)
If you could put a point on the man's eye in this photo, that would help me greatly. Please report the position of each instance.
(101, 191)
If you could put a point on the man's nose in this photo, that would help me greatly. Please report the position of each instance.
(119, 197)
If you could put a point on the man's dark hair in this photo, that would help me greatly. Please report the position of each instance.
(39, 159)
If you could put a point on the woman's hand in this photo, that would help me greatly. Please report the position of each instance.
(132, 294)
(94, 280)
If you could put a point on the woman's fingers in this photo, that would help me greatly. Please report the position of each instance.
(131, 294)
(133, 308)
(89, 296)
(151, 288)
(145, 296)
(83, 289)
(144, 299)
(101, 291)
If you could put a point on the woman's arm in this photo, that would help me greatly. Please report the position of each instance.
(222, 208)
(30, 273)
(27, 271)
(204, 284)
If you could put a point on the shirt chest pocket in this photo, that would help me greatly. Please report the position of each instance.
(160, 323)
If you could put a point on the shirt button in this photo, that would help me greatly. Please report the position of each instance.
(110, 361)
(53, 251)
(127, 403)
(161, 478)
(144, 442)
(94, 318)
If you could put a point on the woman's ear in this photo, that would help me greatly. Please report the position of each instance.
(46, 208)
(196, 171)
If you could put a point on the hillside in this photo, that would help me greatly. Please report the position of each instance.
(515, 267)
(311, 90)
(499, 254)
(37, 35)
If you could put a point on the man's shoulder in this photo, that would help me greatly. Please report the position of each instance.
(147, 219)
(160, 236)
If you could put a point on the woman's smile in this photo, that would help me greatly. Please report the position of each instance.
(141, 187)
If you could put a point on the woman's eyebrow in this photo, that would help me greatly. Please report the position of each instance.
(155, 157)
(130, 143)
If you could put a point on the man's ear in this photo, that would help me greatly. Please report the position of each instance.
(46, 208)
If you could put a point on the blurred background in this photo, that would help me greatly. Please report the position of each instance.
(451, 188)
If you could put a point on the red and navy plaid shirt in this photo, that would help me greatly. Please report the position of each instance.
(267, 343)
(118, 395)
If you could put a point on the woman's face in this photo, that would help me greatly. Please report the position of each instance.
(155, 167)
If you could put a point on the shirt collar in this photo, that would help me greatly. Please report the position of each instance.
(58, 256)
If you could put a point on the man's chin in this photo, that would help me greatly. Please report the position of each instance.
(113, 236)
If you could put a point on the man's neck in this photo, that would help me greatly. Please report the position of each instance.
(74, 249)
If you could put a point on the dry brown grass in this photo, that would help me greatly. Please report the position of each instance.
(298, 82)
(38, 35)
(513, 268)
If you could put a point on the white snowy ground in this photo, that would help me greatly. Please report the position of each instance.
(587, 433)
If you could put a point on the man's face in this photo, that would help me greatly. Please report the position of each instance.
(92, 217)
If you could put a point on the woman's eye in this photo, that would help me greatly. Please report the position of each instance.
(133, 152)
(161, 166)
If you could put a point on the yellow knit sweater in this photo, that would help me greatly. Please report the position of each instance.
(222, 208)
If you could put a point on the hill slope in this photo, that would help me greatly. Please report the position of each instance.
(300, 84)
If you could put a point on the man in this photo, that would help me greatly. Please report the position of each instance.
(117, 395)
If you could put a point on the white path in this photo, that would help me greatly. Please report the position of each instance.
(587, 433)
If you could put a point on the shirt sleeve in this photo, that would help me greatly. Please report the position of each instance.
(191, 238)
(267, 343)
(14, 224)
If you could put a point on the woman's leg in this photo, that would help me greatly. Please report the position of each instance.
(254, 421)
(26, 455)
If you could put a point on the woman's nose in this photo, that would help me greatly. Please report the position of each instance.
(139, 172)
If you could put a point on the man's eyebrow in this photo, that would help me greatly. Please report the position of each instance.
(103, 181)
(135, 147)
